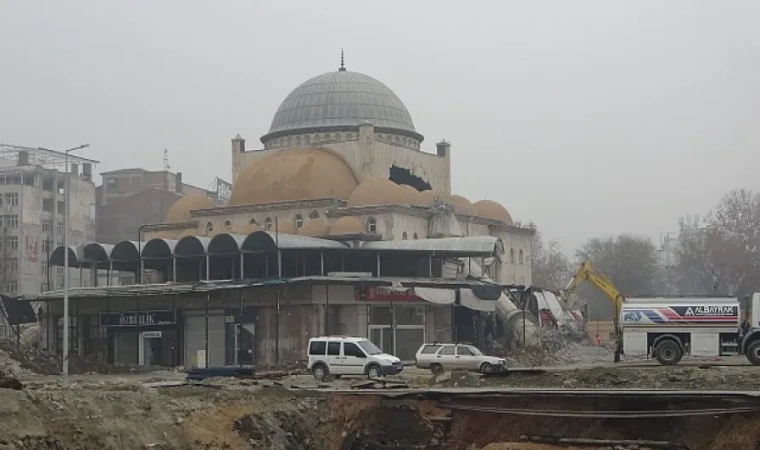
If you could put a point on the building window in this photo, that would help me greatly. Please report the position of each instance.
(268, 223)
(403, 236)
(11, 199)
(522, 259)
(47, 226)
(12, 242)
(46, 246)
(299, 221)
(12, 287)
(227, 224)
(253, 222)
(11, 221)
(59, 228)
(47, 204)
(61, 207)
(512, 255)
(415, 237)
(314, 215)
(111, 185)
(209, 227)
(372, 225)
(12, 264)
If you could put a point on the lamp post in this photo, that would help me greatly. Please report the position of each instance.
(66, 263)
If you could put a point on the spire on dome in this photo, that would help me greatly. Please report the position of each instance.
(342, 67)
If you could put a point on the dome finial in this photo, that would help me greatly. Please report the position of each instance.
(342, 65)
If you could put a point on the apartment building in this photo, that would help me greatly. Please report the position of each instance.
(32, 206)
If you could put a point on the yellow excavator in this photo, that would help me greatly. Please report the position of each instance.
(587, 272)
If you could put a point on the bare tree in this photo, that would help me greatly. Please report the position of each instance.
(630, 262)
(733, 241)
(694, 273)
(549, 266)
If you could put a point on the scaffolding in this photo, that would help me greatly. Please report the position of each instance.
(43, 157)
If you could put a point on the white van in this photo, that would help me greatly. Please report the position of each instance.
(343, 355)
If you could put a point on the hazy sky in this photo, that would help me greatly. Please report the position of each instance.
(589, 118)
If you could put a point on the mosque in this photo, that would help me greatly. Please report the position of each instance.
(342, 160)
(339, 223)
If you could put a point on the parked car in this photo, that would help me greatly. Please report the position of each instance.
(342, 355)
(448, 356)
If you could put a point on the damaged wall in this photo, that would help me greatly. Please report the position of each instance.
(370, 155)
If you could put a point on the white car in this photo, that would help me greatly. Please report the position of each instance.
(439, 357)
(341, 355)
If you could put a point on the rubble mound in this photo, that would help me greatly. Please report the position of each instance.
(277, 430)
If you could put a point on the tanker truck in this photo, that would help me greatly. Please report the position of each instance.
(668, 328)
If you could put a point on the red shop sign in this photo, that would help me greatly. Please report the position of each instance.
(384, 294)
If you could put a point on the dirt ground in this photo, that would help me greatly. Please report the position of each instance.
(239, 415)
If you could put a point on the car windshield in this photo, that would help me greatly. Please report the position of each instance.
(475, 351)
(369, 347)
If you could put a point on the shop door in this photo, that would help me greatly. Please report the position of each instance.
(150, 350)
(195, 339)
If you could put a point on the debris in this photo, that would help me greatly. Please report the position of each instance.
(628, 443)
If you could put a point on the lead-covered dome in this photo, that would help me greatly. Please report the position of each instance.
(341, 101)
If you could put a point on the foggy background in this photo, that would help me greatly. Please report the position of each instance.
(589, 118)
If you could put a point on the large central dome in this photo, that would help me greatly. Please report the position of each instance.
(341, 101)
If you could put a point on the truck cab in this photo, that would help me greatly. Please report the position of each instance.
(749, 328)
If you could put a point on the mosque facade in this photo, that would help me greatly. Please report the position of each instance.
(343, 160)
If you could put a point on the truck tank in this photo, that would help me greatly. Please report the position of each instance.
(722, 312)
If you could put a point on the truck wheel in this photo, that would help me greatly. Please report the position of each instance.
(753, 352)
(668, 352)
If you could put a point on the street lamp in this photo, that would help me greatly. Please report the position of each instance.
(66, 263)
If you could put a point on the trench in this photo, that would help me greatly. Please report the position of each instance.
(373, 422)
(278, 419)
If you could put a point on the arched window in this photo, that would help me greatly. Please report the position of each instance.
(314, 215)
(403, 236)
(372, 225)
(268, 223)
(415, 237)
(227, 224)
(522, 259)
(299, 221)
(209, 226)
(512, 255)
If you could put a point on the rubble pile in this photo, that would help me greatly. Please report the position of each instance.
(557, 347)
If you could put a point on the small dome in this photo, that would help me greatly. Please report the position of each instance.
(347, 225)
(180, 210)
(461, 205)
(315, 227)
(429, 197)
(284, 227)
(378, 191)
(246, 229)
(492, 210)
(413, 196)
(290, 175)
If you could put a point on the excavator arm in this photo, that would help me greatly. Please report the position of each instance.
(587, 272)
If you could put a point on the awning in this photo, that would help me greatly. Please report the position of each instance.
(436, 295)
(464, 246)
(468, 299)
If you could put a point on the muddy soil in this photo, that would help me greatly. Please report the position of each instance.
(130, 416)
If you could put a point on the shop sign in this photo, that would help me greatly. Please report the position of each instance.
(384, 294)
(151, 334)
(137, 319)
